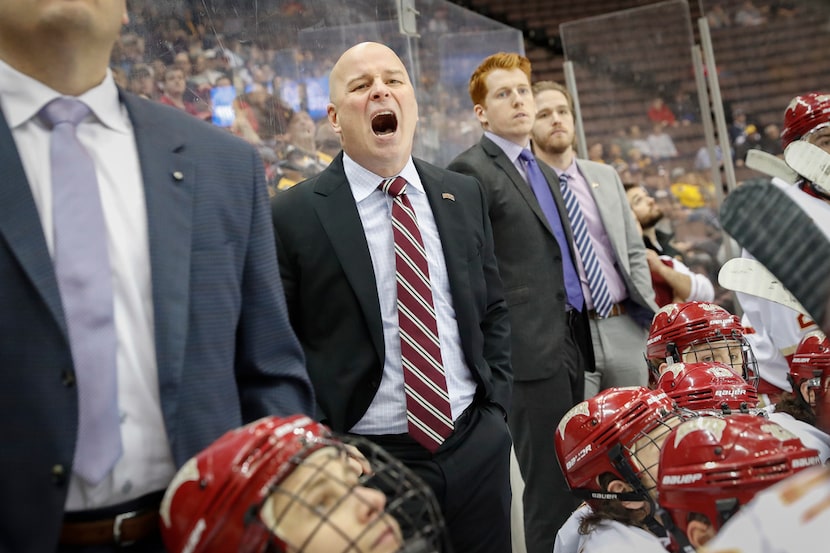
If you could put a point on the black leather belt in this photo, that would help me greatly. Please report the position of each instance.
(120, 525)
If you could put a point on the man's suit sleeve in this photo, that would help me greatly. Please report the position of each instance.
(270, 366)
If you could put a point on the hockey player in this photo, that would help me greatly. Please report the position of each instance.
(796, 410)
(694, 332)
(608, 448)
(773, 330)
(289, 485)
(711, 466)
(708, 388)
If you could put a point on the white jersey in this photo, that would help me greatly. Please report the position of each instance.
(701, 288)
(568, 538)
(611, 536)
(809, 435)
(790, 517)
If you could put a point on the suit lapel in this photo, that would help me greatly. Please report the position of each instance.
(448, 219)
(20, 225)
(169, 178)
(333, 200)
(500, 158)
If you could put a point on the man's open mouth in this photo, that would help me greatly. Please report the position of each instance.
(384, 122)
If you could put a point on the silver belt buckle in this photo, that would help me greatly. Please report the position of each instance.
(116, 527)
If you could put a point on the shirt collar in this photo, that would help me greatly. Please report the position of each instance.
(363, 182)
(510, 149)
(572, 171)
(22, 97)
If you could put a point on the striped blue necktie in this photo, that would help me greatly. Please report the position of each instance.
(596, 280)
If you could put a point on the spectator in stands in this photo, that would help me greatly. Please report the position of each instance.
(615, 156)
(660, 143)
(749, 15)
(717, 17)
(202, 73)
(685, 110)
(174, 88)
(771, 140)
(702, 161)
(672, 280)
(636, 140)
(660, 112)
(141, 82)
(595, 152)
(301, 159)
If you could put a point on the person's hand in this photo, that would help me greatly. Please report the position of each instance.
(654, 262)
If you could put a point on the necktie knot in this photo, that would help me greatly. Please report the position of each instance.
(63, 110)
(563, 179)
(527, 156)
(394, 186)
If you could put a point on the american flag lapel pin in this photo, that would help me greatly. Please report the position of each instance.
(594, 185)
(447, 196)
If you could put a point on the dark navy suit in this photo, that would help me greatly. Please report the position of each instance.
(226, 353)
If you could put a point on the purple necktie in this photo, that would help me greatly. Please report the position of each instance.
(539, 184)
(85, 282)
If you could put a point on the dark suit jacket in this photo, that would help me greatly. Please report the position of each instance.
(332, 296)
(529, 259)
(225, 351)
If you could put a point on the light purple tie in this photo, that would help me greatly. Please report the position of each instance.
(85, 282)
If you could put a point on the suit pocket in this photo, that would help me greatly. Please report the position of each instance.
(516, 296)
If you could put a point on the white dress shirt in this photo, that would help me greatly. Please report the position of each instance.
(146, 464)
(387, 412)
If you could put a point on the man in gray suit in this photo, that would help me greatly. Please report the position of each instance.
(550, 343)
(196, 320)
(619, 337)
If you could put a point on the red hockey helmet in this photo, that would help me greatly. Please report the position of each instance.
(694, 332)
(806, 113)
(707, 387)
(811, 362)
(604, 434)
(713, 465)
(220, 500)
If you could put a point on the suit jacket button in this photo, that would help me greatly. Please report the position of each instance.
(58, 475)
(68, 378)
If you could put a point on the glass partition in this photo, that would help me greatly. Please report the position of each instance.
(260, 69)
(638, 95)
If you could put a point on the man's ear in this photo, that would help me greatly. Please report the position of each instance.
(331, 114)
(618, 486)
(808, 394)
(478, 109)
(699, 533)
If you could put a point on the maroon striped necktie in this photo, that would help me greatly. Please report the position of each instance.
(428, 413)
